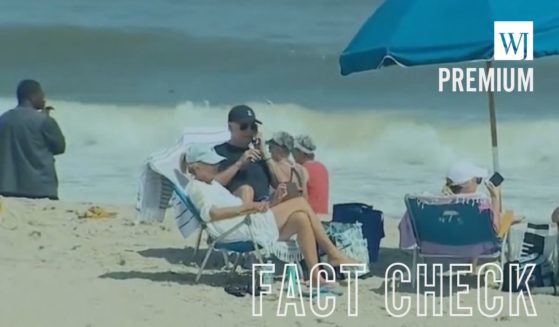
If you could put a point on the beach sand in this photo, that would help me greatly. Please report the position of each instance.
(59, 270)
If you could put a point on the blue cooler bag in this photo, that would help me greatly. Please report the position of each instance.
(371, 221)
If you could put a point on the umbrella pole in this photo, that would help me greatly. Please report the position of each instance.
(493, 122)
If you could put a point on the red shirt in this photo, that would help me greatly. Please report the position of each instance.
(318, 186)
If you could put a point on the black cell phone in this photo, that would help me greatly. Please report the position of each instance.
(496, 179)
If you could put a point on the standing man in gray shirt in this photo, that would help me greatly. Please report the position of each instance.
(29, 140)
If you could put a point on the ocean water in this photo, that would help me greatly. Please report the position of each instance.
(127, 76)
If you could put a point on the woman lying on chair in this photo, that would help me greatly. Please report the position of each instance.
(223, 211)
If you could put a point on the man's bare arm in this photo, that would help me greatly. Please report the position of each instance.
(225, 177)
(276, 174)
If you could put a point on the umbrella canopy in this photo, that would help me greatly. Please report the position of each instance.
(423, 32)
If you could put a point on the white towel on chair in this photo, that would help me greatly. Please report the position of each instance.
(155, 189)
(519, 250)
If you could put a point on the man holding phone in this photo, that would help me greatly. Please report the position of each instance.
(244, 172)
(29, 140)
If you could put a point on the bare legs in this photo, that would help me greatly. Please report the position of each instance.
(296, 217)
(298, 223)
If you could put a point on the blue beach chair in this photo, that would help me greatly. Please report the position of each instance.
(190, 219)
(240, 248)
(458, 227)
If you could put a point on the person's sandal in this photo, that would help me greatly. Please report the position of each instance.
(238, 290)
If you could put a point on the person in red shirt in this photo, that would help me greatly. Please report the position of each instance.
(318, 180)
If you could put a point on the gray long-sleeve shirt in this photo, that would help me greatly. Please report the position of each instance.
(29, 140)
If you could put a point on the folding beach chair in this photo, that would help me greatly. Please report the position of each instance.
(217, 244)
(452, 227)
(189, 219)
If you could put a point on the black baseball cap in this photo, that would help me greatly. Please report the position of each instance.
(243, 114)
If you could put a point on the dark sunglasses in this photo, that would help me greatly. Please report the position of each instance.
(252, 126)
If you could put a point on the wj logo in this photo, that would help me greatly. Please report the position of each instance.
(513, 40)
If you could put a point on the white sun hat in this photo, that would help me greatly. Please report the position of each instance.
(462, 172)
(202, 153)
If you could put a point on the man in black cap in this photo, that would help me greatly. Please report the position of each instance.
(244, 172)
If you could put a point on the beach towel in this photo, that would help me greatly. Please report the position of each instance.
(349, 239)
(372, 222)
(157, 177)
(185, 217)
(530, 243)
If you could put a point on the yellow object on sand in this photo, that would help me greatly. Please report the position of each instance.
(96, 212)
(507, 219)
(4, 219)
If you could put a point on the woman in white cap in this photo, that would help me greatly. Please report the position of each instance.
(293, 175)
(222, 210)
(461, 178)
(465, 178)
(318, 179)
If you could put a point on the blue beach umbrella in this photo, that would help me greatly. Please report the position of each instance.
(425, 32)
